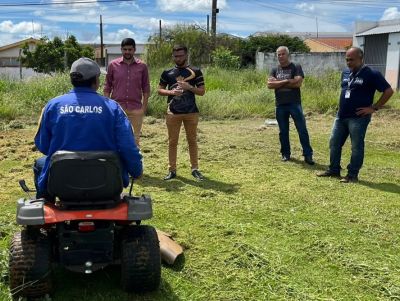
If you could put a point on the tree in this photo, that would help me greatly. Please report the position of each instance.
(269, 44)
(198, 42)
(49, 56)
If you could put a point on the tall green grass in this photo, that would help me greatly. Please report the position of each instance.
(26, 98)
(230, 94)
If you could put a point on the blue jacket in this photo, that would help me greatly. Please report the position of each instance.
(83, 120)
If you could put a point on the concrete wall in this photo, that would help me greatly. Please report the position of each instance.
(393, 60)
(14, 73)
(313, 63)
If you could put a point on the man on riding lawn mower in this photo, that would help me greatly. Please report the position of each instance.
(83, 120)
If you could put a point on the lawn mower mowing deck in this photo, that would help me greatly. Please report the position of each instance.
(84, 225)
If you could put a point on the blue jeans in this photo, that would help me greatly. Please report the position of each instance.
(37, 170)
(342, 128)
(283, 112)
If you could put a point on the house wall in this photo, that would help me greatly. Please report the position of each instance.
(9, 57)
(393, 60)
(358, 42)
(114, 51)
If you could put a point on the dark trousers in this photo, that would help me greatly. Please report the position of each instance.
(37, 170)
(356, 128)
(283, 112)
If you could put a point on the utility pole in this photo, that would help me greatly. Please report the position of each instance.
(208, 25)
(214, 12)
(20, 64)
(160, 30)
(101, 42)
(316, 21)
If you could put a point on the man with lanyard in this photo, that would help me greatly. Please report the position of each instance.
(181, 84)
(127, 82)
(286, 80)
(358, 83)
(83, 120)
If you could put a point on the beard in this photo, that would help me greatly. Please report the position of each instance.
(128, 56)
(181, 63)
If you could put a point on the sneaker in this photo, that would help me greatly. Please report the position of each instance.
(170, 175)
(349, 179)
(285, 158)
(309, 160)
(329, 173)
(197, 174)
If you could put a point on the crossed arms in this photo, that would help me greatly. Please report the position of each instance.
(273, 83)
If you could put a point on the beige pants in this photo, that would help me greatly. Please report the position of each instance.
(136, 119)
(174, 123)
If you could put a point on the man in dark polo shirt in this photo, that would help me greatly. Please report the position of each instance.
(358, 84)
(181, 84)
(286, 80)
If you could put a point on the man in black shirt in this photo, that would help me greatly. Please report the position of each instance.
(181, 84)
(286, 80)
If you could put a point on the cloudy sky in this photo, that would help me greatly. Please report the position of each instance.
(21, 19)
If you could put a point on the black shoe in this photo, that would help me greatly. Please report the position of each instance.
(309, 160)
(197, 174)
(349, 179)
(329, 173)
(170, 175)
(285, 158)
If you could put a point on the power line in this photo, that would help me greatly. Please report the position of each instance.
(293, 13)
(59, 3)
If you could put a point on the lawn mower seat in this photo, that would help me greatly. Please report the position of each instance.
(85, 178)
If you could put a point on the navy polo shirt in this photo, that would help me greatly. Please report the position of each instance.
(362, 86)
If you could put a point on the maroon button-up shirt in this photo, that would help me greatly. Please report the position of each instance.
(126, 83)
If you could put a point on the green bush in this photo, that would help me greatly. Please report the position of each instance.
(223, 58)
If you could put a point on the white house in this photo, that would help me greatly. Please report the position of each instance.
(113, 51)
(9, 54)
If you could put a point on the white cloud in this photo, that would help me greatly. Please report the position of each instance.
(20, 28)
(117, 37)
(185, 5)
(129, 4)
(391, 13)
(306, 7)
(74, 3)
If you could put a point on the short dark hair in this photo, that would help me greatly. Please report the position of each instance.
(128, 42)
(76, 80)
(179, 48)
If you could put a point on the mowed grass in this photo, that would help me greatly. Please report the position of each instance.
(256, 228)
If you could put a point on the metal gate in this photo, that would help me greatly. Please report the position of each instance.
(375, 49)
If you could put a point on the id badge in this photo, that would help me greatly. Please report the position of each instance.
(347, 94)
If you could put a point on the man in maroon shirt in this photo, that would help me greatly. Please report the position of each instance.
(127, 82)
